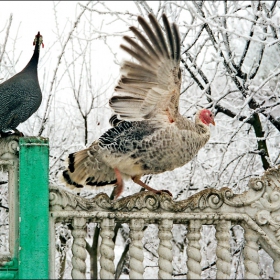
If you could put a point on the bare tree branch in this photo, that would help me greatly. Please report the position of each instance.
(6, 37)
(47, 109)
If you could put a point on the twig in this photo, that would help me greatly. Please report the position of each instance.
(146, 7)
(121, 262)
(1, 206)
(195, 40)
(209, 266)
(252, 76)
(47, 109)
(93, 250)
(7, 36)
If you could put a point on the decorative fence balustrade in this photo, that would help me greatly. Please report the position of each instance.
(9, 164)
(26, 160)
(257, 211)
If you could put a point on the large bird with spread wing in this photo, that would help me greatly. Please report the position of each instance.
(149, 135)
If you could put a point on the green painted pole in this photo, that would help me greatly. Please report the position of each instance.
(33, 208)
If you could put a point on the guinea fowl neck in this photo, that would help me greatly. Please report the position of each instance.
(33, 63)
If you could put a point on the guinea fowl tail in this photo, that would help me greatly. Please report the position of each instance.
(85, 168)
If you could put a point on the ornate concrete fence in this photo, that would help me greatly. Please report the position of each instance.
(26, 161)
(257, 211)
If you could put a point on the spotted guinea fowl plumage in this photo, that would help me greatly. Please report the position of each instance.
(21, 96)
(149, 136)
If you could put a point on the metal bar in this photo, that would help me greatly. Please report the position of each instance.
(33, 208)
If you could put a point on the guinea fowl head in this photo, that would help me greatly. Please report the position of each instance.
(38, 40)
(32, 64)
(205, 116)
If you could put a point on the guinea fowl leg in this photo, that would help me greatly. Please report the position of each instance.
(137, 180)
(119, 185)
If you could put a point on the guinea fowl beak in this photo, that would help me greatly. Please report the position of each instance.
(213, 122)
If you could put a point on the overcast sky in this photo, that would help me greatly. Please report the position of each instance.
(29, 17)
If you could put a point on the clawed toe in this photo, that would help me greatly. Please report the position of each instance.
(166, 191)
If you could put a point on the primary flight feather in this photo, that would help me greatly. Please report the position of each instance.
(149, 135)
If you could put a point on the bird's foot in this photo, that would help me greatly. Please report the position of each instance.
(7, 133)
(161, 191)
(137, 180)
(18, 133)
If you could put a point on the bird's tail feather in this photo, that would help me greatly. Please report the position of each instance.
(87, 168)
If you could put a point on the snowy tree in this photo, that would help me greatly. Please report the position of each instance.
(230, 62)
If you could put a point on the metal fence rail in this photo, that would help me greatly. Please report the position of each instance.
(257, 211)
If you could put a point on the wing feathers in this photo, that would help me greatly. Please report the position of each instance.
(144, 41)
(138, 48)
(169, 34)
(177, 42)
(132, 92)
(150, 34)
(160, 36)
(150, 84)
(137, 56)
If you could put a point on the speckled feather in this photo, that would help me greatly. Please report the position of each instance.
(135, 148)
(143, 148)
(149, 135)
(20, 96)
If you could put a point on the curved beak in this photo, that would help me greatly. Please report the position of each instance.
(213, 122)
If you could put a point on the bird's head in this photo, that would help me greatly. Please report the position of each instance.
(38, 40)
(206, 116)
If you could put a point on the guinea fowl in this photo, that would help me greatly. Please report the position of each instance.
(149, 136)
(21, 96)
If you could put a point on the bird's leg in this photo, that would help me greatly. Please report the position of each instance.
(137, 180)
(119, 185)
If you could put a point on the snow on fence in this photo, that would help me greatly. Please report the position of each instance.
(257, 211)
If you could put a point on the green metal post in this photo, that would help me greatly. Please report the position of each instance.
(33, 208)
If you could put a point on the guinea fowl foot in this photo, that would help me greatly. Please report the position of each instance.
(119, 185)
(7, 133)
(142, 184)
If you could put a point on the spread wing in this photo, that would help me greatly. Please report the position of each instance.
(149, 88)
